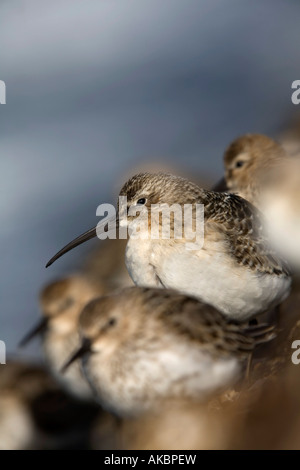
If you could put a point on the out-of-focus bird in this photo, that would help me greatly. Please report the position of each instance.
(258, 169)
(260, 413)
(35, 413)
(266, 416)
(144, 345)
(61, 303)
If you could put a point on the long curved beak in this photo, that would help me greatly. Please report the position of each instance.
(36, 330)
(82, 351)
(220, 187)
(84, 237)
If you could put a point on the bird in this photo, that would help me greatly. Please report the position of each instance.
(141, 346)
(248, 161)
(235, 270)
(260, 170)
(36, 413)
(17, 428)
(61, 303)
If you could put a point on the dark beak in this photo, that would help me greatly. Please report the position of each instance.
(220, 187)
(38, 329)
(82, 351)
(92, 233)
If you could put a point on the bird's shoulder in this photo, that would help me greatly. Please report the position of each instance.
(200, 323)
(243, 227)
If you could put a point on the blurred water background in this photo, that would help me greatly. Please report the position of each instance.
(96, 88)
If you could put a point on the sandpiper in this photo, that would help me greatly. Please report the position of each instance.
(143, 345)
(36, 413)
(258, 169)
(235, 270)
(17, 428)
(61, 303)
(250, 162)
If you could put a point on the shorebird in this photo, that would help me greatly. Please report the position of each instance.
(259, 169)
(61, 303)
(235, 270)
(17, 428)
(35, 413)
(250, 162)
(143, 345)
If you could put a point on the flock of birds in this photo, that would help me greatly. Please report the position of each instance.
(183, 338)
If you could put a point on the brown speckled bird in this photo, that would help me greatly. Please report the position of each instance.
(144, 345)
(234, 270)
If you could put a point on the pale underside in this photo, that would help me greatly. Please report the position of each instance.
(210, 274)
(16, 425)
(135, 380)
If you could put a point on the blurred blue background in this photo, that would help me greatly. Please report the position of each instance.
(99, 87)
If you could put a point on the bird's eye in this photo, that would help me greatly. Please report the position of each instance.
(239, 164)
(112, 321)
(142, 201)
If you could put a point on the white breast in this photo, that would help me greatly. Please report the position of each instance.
(138, 263)
(145, 378)
(212, 277)
(283, 224)
(17, 429)
(208, 274)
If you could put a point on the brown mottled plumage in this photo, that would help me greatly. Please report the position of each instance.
(234, 269)
(143, 345)
(239, 222)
